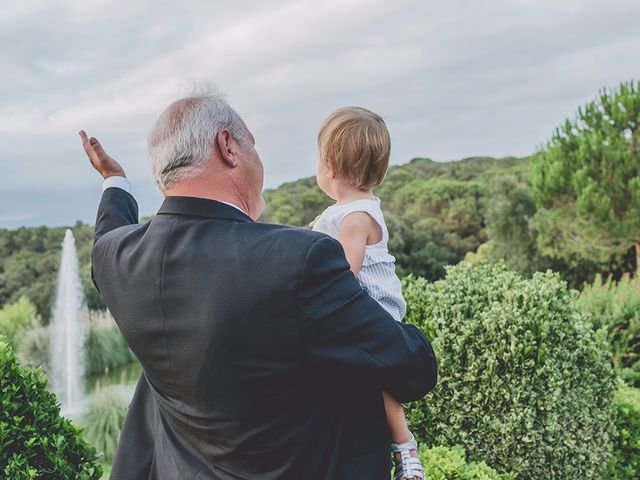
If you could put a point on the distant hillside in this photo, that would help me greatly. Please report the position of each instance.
(29, 259)
(435, 210)
(297, 203)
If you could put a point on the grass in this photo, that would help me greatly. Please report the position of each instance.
(106, 467)
(104, 419)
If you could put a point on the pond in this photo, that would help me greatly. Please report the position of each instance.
(126, 376)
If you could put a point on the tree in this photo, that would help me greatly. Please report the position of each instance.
(29, 262)
(443, 219)
(509, 227)
(586, 180)
(295, 203)
(514, 232)
(16, 318)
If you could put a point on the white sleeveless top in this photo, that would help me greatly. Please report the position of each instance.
(378, 273)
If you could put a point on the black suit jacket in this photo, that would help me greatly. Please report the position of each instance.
(262, 356)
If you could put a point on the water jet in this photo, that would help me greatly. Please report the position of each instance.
(67, 333)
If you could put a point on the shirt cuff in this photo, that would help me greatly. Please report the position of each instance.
(117, 181)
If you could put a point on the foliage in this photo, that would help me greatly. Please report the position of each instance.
(508, 219)
(445, 219)
(625, 461)
(295, 203)
(449, 463)
(35, 440)
(104, 418)
(524, 382)
(586, 181)
(615, 306)
(34, 348)
(415, 291)
(29, 261)
(513, 229)
(16, 318)
(434, 210)
(106, 467)
(105, 347)
(483, 254)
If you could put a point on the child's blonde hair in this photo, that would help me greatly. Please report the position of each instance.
(355, 144)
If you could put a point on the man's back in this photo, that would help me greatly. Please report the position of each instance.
(254, 339)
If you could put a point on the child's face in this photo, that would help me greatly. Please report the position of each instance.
(324, 177)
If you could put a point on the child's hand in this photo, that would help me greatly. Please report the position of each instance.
(313, 222)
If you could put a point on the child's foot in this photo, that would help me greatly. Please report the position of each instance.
(407, 460)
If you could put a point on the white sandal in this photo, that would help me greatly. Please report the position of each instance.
(407, 466)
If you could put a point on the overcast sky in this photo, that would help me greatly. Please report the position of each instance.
(453, 79)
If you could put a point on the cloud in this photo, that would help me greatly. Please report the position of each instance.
(17, 219)
(452, 79)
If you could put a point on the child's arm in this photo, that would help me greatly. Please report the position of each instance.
(354, 235)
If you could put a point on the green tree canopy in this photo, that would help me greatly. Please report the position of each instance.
(442, 220)
(29, 262)
(17, 317)
(586, 180)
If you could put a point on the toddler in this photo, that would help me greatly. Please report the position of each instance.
(354, 147)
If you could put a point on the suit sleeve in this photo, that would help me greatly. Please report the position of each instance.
(349, 335)
(117, 208)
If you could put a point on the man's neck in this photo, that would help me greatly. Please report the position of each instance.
(184, 189)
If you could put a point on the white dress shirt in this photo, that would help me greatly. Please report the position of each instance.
(124, 183)
(116, 181)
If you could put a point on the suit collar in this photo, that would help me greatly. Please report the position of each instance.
(201, 207)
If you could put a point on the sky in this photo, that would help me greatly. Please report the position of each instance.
(452, 79)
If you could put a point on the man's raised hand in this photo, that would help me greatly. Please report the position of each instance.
(103, 163)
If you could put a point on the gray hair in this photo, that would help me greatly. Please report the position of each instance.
(183, 139)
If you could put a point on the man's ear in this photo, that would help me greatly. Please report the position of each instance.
(227, 153)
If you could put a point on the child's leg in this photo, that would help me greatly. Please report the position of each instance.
(400, 434)
(395, 418)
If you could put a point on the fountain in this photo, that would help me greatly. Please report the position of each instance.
(67, 331)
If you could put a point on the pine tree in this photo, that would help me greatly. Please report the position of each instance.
(586, 180)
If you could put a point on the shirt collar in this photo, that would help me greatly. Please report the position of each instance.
(202, 207)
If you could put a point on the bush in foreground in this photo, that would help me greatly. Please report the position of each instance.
(449, 463)
(625, 461)
(35, 440)
(524, 383)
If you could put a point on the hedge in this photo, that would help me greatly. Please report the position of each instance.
(524, 382)
(36, 442)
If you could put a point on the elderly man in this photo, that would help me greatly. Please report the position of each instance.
(262, 357)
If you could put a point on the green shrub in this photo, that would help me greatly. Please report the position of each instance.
(416, 294)
(625, 461)
(34, 348)
(104, 419)
(449, 463)
(36, 442)
(524, 383)
(615, 306)
(105, 349)
(17, 317)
